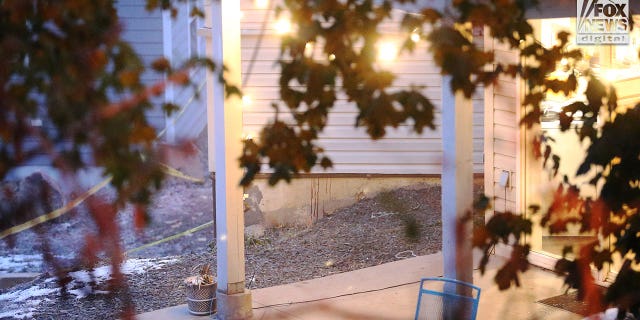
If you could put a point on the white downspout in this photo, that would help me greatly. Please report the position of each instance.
(169, 95)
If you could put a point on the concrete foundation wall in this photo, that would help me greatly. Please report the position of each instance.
(305, 200)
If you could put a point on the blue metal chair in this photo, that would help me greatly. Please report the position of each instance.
(450, 299)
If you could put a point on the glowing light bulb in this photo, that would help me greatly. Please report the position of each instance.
(261, 4)
(609, 75)
(332, 57)
(564, 61)
(387, 51)
(282, 26)
(248, 136)
(308, 49)
(247, 100)
(415, 36)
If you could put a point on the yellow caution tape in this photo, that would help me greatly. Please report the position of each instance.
(56, 213)
(178, 174)
(75, 202)
(175, 236)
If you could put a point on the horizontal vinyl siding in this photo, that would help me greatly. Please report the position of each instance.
(345, 117)
(402, 151)
(627, 91)
(503, 135)
(143, 30)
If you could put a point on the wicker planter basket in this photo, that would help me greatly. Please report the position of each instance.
(201, 299)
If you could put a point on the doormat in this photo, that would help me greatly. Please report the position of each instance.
(568, 302)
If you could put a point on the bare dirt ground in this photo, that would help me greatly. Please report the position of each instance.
(391, 226)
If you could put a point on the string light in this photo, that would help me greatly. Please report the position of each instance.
(332, 57)
(387, 51)
(282, 26)
(609, 75)
(247, 100)
(248, 136)
(308, 49)
(261, 4)
(415, 36)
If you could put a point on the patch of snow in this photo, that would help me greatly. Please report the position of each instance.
(34, 295)
(20, 263)
(22, 295)
(131, 266)
(135, 266)
(18, 314)
(85, 291)
(81, 293)
(14, 263)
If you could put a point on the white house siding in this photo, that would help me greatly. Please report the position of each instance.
(143, 30)
(191, 120)
(502, 133)
(400, 152)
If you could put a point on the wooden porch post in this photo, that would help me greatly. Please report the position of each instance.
(234, 301)
(457, 183)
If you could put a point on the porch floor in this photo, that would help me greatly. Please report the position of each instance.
(389, 291)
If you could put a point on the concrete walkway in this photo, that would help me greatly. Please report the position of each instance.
(389, 291)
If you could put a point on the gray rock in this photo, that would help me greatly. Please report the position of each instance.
(28, 198)
(252, 213)
(255, 231)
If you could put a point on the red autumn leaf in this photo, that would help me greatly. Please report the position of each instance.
(140, 217)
